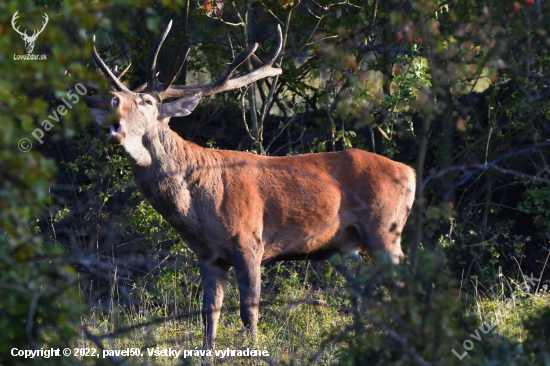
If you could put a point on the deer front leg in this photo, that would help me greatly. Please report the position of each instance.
(247, 272)
(214, 283)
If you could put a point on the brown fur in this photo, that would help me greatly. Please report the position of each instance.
(240, 209)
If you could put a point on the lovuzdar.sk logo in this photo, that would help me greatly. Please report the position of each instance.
(29, 40)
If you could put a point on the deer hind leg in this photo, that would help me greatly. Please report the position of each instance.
(352, 242)
(247, 271)
(214, 283)
(384, 238)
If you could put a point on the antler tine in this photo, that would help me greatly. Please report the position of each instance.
(256, 61)
(224, 83)
(119, 75)
(143, 86)
(214, 87)
(152, 64)
(175, 72)
(167, 92)
(235, 64)
(99, 62)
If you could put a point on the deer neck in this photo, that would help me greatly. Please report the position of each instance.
(178, 170)
(162, 153)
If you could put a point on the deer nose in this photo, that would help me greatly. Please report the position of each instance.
(115, 101)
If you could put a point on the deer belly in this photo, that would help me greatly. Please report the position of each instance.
(305, 239)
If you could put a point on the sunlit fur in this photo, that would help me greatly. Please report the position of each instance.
(240, 209)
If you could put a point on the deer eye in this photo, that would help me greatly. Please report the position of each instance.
(148, 102)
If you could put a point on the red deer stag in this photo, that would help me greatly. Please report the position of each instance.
(240, 209)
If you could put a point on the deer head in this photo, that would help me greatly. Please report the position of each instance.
(139, 113)
(29, 40)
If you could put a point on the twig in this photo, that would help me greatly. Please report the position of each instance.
(399, 339)
(274, 16)
(491, 164)
(281, 131)
(496, 204)
(244, 116)
(461, 281)
(97, 341)
(543, 268)
(329, 116)
(307, 44)
(373, 17)
(469, 268)
(267, 105)
(30, 318)
(483, 242)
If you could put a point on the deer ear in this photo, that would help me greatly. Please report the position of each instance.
(179, 108)
(99, 115)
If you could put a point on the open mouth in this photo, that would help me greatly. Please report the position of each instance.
(116, 127)
(117, 133)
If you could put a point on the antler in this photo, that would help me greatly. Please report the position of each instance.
(153, 84)
(35, 34)
(121, 74)
(224, 83)
(117, 84)
(15, 16)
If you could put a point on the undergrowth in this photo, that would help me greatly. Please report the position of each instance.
(295, 319)
(389, 321)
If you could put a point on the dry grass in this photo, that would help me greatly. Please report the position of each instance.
(291, 332)
(511, 302)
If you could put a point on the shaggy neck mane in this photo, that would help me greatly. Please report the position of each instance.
(173, 156)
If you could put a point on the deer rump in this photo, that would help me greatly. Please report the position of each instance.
(288, 208)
